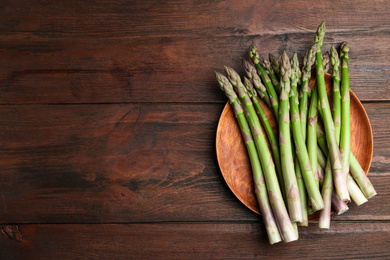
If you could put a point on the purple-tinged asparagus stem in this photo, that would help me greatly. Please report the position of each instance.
(258, 177)
(338, 205)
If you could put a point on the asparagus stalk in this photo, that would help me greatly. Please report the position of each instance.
(334, 152)
(251, 73)
(302, 193)
(314, 194)
(327, 189)
(286, 228)
(345, 136)
(360, 177)
(336, 92)
(305, 89)
(268, 130)
(253, 53)
(258, 177)
(287, 161)
(275, 63)
(312, 134)
(271, 73)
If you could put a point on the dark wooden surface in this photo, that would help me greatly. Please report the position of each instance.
(108, 115)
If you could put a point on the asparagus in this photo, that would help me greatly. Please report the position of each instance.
(287, 161)
(314, 194)
(258, 177)
(326, 61)
(302, 193)
(266, 80)
(312, 134)
(271, 73)
(286, 228)
(336, 91)
(360, 177)
(251, 73)
(334, 152)
(275, 63)
(327, 189)
(305, 89)
(345, 135)
(268, 130)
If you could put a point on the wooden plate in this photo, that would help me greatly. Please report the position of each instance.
(234, 162)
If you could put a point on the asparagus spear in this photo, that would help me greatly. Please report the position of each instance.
(360, 177)
(345, 136)
(312, 134)
(268, 130)
(266, 80)
(314, 194)
(258, 177)
(327, 189)
(275, 63)
(302, 193)
(271, 73)
(337, 167)
(290, 181)
(251, 73)
(286, 228)
(336, 91)
(305, 89)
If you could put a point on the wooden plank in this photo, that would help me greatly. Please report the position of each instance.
(64, 53)
(133, 163)
(195, 241)
(212, 18)
(176, 69)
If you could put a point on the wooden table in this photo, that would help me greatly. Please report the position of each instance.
(108, 118)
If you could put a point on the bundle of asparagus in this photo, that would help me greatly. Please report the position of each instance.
(309, 166)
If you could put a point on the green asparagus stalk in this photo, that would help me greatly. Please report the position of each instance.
(326, 191)
(345, 136)
(258, 177)
(360, 177)
(251, 73)
(336, 92)
(302, 193)
(287, 161)
(312, 134)
(305, 89)
(268, 130)
(334, 152)
(286, 228)
(253, 53)
(327, 188)
(275, 63)
(271, 73)
(314, 194)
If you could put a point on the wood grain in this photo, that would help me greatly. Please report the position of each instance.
(63, 58)
(132, 163)
(195, 241)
